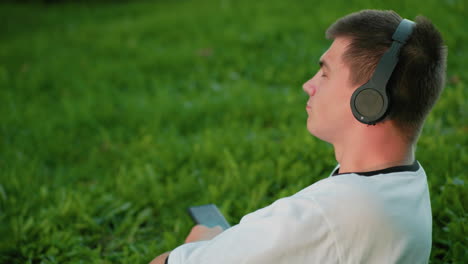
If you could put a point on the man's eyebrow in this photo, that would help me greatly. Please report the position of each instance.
(323, 63)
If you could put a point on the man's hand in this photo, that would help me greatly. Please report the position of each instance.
(160, 259)
(198, 233)
(201, 232)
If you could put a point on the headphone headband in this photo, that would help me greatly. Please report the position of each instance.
(403, 31)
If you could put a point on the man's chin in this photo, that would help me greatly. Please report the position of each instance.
(312, 128)
(316, 132)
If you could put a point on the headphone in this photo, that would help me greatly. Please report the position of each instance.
(370, 102)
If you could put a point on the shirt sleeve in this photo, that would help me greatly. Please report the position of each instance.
(291, 230)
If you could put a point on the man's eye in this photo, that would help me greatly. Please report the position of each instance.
(323, 73)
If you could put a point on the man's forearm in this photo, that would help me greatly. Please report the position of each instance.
(161, 258)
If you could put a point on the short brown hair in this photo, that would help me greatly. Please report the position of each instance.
(419, 76)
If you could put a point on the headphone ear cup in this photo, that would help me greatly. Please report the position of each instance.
(368, 104)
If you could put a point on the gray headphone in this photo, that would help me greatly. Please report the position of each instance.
(370, 102)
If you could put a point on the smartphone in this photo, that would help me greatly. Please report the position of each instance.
(208, 215)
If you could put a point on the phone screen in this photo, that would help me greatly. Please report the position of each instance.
(208, 215)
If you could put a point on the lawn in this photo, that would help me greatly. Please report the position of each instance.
(117, 117)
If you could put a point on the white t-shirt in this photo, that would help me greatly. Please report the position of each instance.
(374, 217)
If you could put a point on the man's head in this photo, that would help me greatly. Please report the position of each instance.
(417, 79)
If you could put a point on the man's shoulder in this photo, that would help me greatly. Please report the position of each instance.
(380, 183)
(347, 199)
(336, 188)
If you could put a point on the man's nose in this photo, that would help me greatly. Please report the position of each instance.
(309, 87)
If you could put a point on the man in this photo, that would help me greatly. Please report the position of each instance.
(375, 207)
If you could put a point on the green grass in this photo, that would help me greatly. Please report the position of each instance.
(116, 117)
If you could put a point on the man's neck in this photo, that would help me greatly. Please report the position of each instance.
(377, 150)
